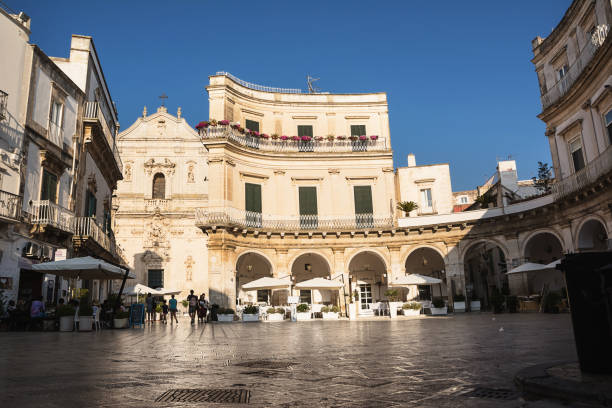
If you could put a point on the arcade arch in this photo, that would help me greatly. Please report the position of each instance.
(429, 262)
(308, 266)
(485, 272)
(592, 236)
(367, 280)
(251, 266)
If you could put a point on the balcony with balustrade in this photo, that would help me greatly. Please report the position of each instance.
(101, 132)
(596, 172)
(10, 207)
(293, 144)
(239, 220)
(45, 215)
(90, 238)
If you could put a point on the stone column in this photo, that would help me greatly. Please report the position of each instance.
(566, 235)
(396, 264)
(281, 269)
(454, 271)
(341, 273)
(221, 274)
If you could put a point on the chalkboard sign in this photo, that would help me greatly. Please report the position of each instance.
(137, 314)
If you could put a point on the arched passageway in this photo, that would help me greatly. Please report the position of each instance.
(308, 266)
(368, 281)
(542, 248)
(428, 262)
(592, 236)
(251, 266)
(485, 272)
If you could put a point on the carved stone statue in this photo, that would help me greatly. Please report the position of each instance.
(189, 268)
(128, 172)
(190, 175)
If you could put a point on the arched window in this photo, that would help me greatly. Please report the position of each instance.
(159, 186)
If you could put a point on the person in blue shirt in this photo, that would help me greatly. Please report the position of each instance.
(172, 303)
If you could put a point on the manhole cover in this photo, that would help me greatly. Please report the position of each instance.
(228, 396)
(267, 364)
(492, 393)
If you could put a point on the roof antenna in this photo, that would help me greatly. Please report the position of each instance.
(310, 80)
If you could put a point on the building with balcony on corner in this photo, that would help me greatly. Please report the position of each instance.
(164, 182)
(59, 135)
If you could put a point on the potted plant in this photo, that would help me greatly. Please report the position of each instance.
(407, 207)
(392, 296)
(341, 137)
(330, 137)
(411, 309)
(275, 314)
(225, 315)
(284, 138)
(302, 312)
(66, 317)
(318, 138)
(120, 320)
(250, 314)
(459, 303)
(185, 304)
(224, 122)
(330, 313)
(85, 316)
(202, 125)
(374, 137)
(475, 305)
(274, 136)
(438, 308)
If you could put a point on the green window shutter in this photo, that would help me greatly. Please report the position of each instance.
(252, 125)
(49, 187)
(358, 130)
(252, 196)
(305, 130)
(90, 204)
(308, 200)
(363, 200)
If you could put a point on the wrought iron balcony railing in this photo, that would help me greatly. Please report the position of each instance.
(87, 227)
(10, 205)
(589, 174)
(233, 217)
(563, 85)
(94, 113)
(46, 212)
(289, 146)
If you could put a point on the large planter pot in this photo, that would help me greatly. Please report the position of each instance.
(330, 316)
(276, 317)
(250, 317)
(301, 316)
(225, 318)
(352, 311)
(411, 312)
(120, 323)
(459, 307)
(66, 323)
(85, 323)
(475, 305)
(393, 306)
(49, 325)
(438, 311)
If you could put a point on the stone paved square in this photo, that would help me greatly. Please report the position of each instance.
(418, 362)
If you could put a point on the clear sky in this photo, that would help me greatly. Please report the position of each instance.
(460, 84)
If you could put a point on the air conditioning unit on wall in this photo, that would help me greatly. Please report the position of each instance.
(32, 250)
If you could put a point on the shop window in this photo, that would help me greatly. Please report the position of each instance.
(577, 155)
(305, 296)
(159, 186)
(263, 296)
(252, 125)
(48, 189)
(156, 278)
(608, 119)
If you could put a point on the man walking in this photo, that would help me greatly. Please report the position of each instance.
(172, 302)
(150, 311)
(193, 305)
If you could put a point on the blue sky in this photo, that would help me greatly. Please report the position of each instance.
(460, 84)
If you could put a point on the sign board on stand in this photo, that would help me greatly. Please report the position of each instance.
(137, 314)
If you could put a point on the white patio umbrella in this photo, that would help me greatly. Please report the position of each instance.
(414, 279)
(168, 291)
(85, 267)
(267, 283)
(553, 264)
(319, 284)
(528, 267)
(140, 289)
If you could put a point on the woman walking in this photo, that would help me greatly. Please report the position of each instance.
(202, 308)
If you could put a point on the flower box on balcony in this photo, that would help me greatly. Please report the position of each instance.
(363, 138)
(306, 138)
(295, 138)
(374, 137)
(264, 136)
(224, 122)
(202, 125)
(283, 137)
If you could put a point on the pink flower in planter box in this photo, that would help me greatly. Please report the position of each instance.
(318, 138)
(305, 138)
(240, 129)
(255, 133)
(374, 137)
(283, 137)
(295, 138)
(363, 137)
(341, 137)
(202, 125)
(224, 122)
(264, 136)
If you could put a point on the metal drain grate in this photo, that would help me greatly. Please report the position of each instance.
(267, 364)
(228, 396)
(492, 393)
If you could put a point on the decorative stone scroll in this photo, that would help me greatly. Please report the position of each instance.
(166, 167)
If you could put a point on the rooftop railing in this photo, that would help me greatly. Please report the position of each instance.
(259, 87)
(289, 146)
(10, 205)
(233, 217)
(94, 112)
(46, 212)
(584, 177)
(563, 85)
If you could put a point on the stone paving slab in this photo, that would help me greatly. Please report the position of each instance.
(423, 362)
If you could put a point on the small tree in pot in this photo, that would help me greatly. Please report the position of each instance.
(407, 207)
(66, 317)
(85, 315)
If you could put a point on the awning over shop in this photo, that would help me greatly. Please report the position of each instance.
(529, 267)
(414, 279)
(267, 283)
(319, 284)
(85, 267)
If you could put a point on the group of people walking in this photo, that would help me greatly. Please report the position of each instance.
(197, 306)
